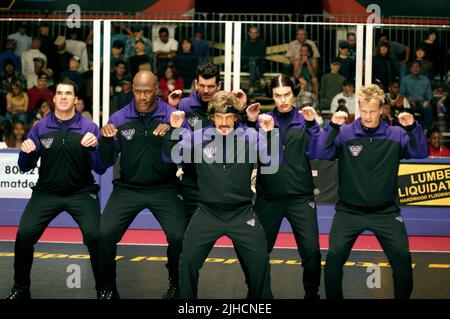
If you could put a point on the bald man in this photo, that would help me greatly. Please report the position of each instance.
(136, 133)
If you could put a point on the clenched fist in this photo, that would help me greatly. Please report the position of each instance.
(253, 111)
(162, 129)
(339, 118)
(309, 113)
(242, 97)
(266, 122)
(89, 140)
(175, 98)
(406, 119)
(28, 146)
(177, 118)
(109, 130)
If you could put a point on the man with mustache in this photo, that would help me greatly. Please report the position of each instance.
(195, 107)
(224, 197)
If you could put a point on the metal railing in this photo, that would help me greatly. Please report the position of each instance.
(225, 38)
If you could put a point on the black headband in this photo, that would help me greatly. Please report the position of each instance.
(228, 109)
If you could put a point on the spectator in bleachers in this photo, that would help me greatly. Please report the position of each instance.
(164, 50)
(88, 79)
(432, 50)
(426, 66)
(77, 48)
(294, 48)
(397, 102)
(29, 55)
(62, 58)
(43, 109)
(16, 104)
(124, 97)
(5, 129)
(331, 84)
(117, 35)
(17, 136)
(7, 78)
(169, 83)
(396, 51)
(74, 74)
(200, 46)
(38, 68)
(444, 102)
(10, 76)
(8, 54)
(80, 108)
(186, 63)
(304, 93)
(345, 99)
(435, 146)
(307, 66)
(117, 53)
(253, 57)
(23, 40)
(348, 65)
(417, 89)
(138, 34)
(388, 115)
(46, 41)
(139, 58)
(39, 92)
(351, 39)
(120, 72)
(383, 68)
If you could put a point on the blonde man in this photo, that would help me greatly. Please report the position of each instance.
(369, 152)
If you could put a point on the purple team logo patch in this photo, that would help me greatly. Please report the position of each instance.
(47, 142)
(128, 134)
(355, 149)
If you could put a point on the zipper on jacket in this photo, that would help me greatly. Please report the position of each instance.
(64, 136)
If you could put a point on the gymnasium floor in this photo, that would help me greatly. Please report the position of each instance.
(141, 271)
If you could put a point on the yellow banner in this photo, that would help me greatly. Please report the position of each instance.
(424, 184)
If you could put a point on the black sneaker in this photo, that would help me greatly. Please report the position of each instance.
(19, 294)
(173, 291)
(108, 294)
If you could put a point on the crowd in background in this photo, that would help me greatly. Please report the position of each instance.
(412, 74)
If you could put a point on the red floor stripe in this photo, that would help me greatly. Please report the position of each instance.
(284, 240)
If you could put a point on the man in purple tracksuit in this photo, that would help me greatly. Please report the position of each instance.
(66, 143)
(136, 133)
(369, 152)
(289, 192)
